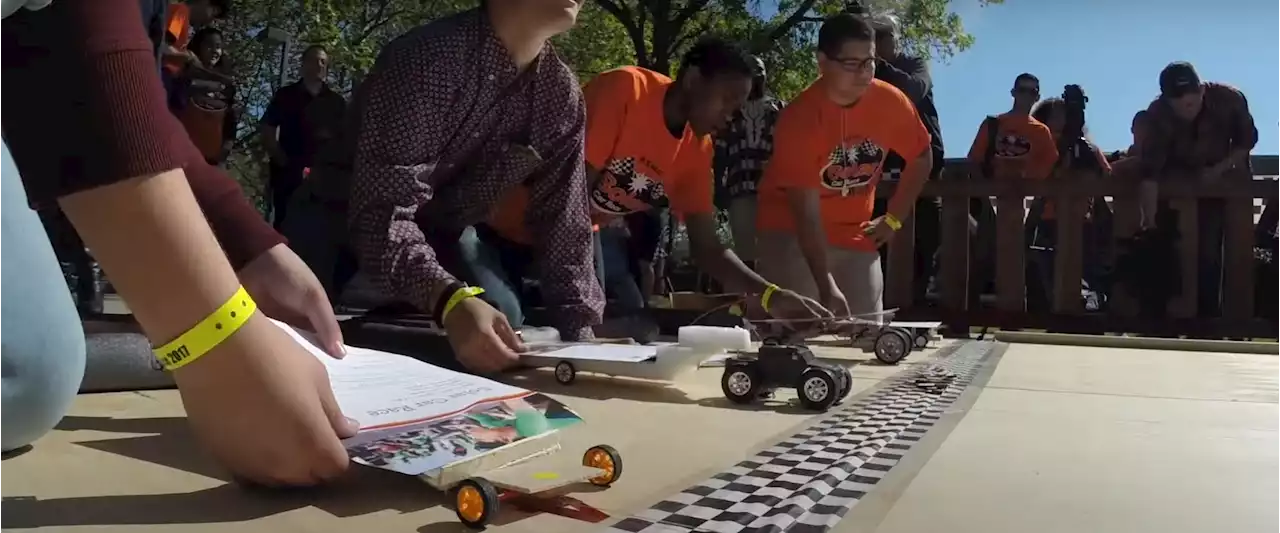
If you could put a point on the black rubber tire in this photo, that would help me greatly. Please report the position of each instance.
(892, 346)
(613, 456)
(489, 497)
(921, 340)
(828, 385)
(847, 387)
(565, 372)
(753, 384)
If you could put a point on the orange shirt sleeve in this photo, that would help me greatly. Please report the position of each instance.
(794, 138)
(979, 147)
(178, 27)
(1044, 150)
(608, 97)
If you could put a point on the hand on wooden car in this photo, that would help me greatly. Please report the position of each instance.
(790, 305)
(835, 301)
(482, 339)
(264, 408)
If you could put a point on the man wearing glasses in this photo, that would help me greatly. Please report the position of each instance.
(817, 193)
(1021, 146)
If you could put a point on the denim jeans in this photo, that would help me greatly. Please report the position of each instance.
(614, 258)
(500, 266)
(42, 344)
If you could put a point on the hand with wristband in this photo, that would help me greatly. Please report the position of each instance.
(482, 339)
(790, 305)
(256, 400)
(882, 228)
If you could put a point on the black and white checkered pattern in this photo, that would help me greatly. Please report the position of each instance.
(807, 483)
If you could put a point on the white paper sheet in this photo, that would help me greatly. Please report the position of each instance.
(626, 353)
(381, 390)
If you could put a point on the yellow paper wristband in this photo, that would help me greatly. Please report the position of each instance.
(768, 293)
(208, 333)
(892, 221)
(458, 296)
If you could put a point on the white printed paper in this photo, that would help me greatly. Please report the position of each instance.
(625, 353)
(382, 390)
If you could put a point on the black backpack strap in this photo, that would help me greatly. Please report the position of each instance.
(992, 124)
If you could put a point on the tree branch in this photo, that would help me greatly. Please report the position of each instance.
(800, 14)
(690, 9)
(622, 13)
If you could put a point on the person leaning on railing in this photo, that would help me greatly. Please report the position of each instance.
(1199, 129)
(93, 132)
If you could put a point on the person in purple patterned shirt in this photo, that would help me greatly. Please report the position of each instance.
(454, 114)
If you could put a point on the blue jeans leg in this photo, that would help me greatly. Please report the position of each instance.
(483, 263)
(42, 346)
(618, 280)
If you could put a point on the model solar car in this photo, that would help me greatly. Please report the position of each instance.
(819, 385)
(477, 499)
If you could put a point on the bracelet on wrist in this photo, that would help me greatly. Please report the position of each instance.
(892, 221)
(208, 333)
(451, 296)
(767, 295)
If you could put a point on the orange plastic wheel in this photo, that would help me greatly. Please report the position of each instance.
(607, 459)
(475, 501)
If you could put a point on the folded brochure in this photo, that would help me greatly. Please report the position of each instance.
(419, 419)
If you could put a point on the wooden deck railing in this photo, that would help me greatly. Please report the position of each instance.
(956, 307)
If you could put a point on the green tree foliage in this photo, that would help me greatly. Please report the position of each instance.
(660, 30)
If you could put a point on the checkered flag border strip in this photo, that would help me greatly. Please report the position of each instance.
(809, 481)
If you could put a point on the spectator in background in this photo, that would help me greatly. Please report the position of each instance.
(1125, 163)
(1197, 130)
(301, 120)
(204, 103)
(742, 152)
(1042, 229)
(910, 74)
(181, 19)
(1014, 144)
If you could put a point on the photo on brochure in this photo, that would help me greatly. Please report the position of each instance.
(423, 447)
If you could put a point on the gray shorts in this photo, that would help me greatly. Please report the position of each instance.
(857, 273)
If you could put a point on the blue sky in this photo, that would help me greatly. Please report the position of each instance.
(1114, 50)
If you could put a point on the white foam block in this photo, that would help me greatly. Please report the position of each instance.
(714, 338)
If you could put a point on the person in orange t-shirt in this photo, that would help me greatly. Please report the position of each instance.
(1024, 147)
(818, 192)
(648, 145)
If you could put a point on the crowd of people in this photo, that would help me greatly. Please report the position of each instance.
(467, 164)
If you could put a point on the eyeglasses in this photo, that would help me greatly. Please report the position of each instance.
(1030, 91)
(854, 64)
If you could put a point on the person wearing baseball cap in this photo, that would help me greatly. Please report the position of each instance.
(1202, 130)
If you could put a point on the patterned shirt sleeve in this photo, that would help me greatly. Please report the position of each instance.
(559, 217)
(397, 148)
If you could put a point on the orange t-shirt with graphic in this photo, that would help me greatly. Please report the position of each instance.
(840, 151)
(177, 29)
(1024, 148)
(641, 164)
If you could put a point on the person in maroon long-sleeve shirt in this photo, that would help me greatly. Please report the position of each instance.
(94, 134)
(453, 115)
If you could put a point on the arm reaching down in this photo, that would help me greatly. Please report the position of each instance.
(559, 218)
(397, 149)
(94, 132)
